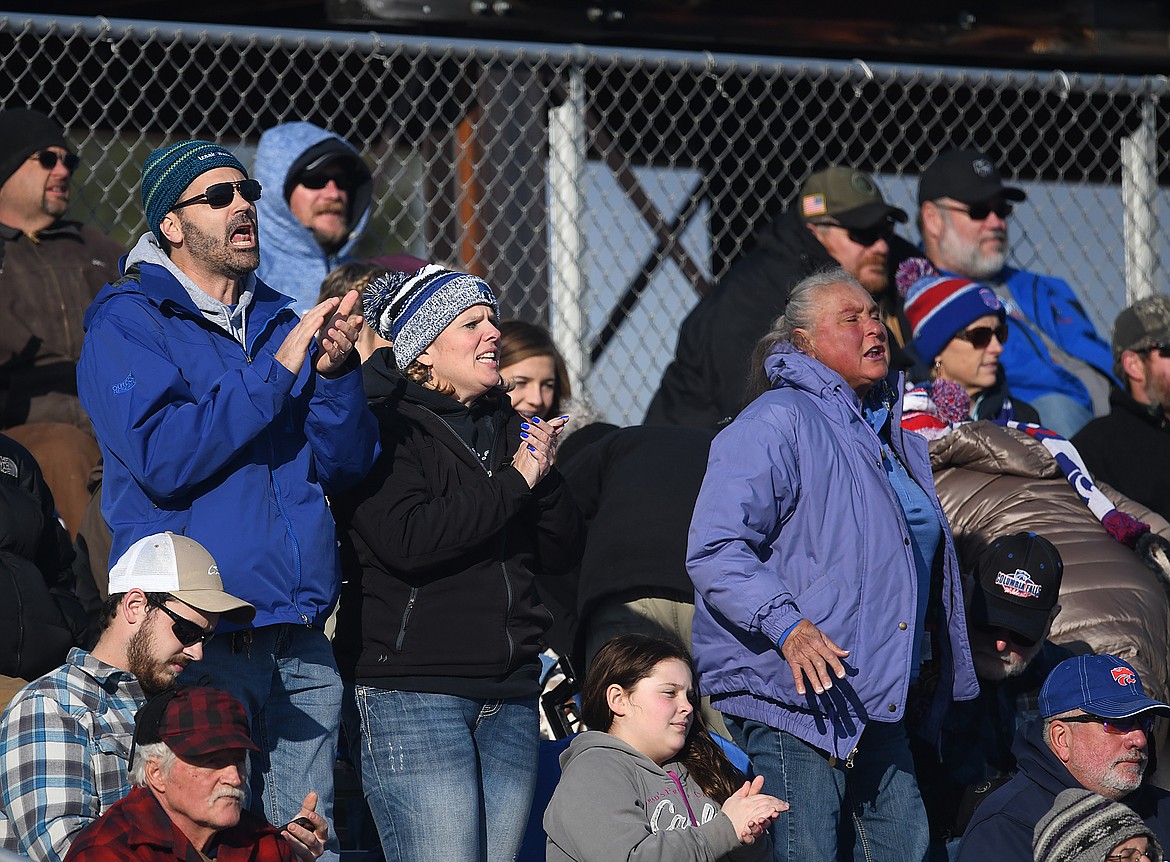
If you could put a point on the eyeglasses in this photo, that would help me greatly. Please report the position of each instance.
(980, 336)
(865, 236)
(1116, 725)
(219, 195)
(318, 179)
(1000, 633)
(49, 159)
(1130, 854)
(1162, 350)
(979, 212)
(186, 632)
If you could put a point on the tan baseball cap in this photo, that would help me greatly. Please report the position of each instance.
(847, 195)
(167, 563)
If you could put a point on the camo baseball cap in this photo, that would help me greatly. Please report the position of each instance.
(1143, 325)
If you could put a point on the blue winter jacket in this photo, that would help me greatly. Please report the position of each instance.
(290, 259)
(226, 447)
(797, 519)
(1052, 306)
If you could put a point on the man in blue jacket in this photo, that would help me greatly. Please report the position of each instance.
(1093, 733)
(225, 417)
(1053, 358)
(316, 206)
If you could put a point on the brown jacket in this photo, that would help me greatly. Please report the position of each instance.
(993, 481)
(46, 283)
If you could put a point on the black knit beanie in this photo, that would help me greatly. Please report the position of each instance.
(22, 133)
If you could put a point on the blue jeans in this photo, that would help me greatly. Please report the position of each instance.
(288, 682)
(448, 777)
(869, 812)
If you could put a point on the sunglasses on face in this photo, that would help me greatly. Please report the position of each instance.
(219, 195)
(1116, 725)
(1000, 633)
(320, 179)
(185, 631)
(865, 236)
(1162, 350)
(980, 336)
(979, 212)
(49, 159)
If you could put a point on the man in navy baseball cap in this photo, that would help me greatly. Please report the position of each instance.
(1094, 733)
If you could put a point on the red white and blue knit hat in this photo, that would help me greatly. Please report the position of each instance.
(939, 306)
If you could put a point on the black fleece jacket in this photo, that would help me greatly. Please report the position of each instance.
(445, 541)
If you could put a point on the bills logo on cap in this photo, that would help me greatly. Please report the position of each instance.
(1019, 583)
(813, 205)
(983, 168)
(989, 298)
(1124, 676)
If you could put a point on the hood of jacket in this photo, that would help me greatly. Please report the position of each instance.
(787, 367)
(290, 258)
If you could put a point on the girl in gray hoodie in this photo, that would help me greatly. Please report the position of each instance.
(649, 783)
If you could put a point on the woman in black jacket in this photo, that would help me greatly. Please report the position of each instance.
(458, 512)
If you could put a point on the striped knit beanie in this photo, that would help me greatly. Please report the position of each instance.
(1085, 827)
(939, 306)
(169, 170)
(410, 311)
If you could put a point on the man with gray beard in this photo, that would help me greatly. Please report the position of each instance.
(1054, 359)
(1094, 734)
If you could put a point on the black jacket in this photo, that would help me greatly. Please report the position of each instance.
(446, 545)
(1130, 450)
(40, 619)
(706, 381)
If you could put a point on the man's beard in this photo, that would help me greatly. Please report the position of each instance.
(54, 207)
(332, 242)
(1124, 783)
(874, 282)
(231, 262)
(154, 676)
(991, 667)
(968, 261)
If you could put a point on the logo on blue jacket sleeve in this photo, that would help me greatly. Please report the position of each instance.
(124, 386)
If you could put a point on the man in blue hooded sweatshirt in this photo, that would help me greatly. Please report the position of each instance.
(315, 207)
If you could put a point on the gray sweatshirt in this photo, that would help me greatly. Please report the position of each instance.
(613, 802)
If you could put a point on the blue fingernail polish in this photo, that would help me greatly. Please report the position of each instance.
(522, 434)
(536, 419)
(566, 416)
(531, 448)
(524, 425)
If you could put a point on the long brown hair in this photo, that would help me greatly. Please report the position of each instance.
(520, 340)
(627, 659)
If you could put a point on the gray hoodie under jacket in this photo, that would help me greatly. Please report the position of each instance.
(613, 802)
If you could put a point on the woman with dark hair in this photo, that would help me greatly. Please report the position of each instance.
(460, 509)
(533, 370)
(828, 581)
(648, 782)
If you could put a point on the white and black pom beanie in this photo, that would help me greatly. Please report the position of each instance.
(1085, 827)
(410, 311)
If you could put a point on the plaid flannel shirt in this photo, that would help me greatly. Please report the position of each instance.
(64, 749)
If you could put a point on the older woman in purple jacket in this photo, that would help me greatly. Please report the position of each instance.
(828, 583)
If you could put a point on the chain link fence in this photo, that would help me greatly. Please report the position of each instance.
(602, 191)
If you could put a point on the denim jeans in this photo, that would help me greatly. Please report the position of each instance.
(448, 777)
(287, 680)
(869, 812)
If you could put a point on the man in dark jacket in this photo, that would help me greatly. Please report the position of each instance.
(1096, 720)
(1130, 448)
(840, 218)
(50, 271)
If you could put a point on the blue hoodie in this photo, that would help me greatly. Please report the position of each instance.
(206, 434)
(797, 519)
(290, 259)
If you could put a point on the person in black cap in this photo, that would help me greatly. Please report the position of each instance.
(1055, 360)
(50, 270)
(839, 219)
(1011, 604)
(317, 208)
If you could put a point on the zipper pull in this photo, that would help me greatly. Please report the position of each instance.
(849, 759)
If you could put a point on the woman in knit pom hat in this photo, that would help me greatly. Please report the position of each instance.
(1085, 827)
(959, 329)
(442, 640)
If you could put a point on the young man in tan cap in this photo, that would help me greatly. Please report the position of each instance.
(839, 218)
(65, 738)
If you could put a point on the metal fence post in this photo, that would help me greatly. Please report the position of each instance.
(1139, 189)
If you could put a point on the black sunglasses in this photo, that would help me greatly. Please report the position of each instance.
(978, 212)
(1116, 725)
(1162, 350)
(320, 178)
(1007, 634)
(863, 236)
(980, 336)
(49, 159)
(219, 195)
(186, 632)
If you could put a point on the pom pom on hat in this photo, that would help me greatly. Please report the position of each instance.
(939, 306)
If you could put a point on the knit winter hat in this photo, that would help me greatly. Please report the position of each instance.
(939, 306)
(169, 170)
(22, 133)
(1085, 827)
(410, 311)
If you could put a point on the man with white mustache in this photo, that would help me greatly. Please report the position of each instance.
(1093, 733)
(188, 768)
(1054, 359)
(315, 208)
